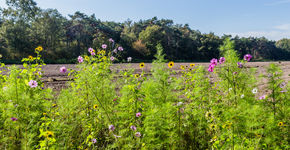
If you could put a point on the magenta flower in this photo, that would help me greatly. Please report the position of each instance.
(104, 46)
(214, 61)
(240, 65)
(120, 48)
(138, 134)
(222, 60)
(112, 58)
(138, 114)
(32, 83)
(210, 68)
(80, 59)
(115, 51)
(111, 40)
(262, 97)
(94, 141)
(133, 128)
(63, 70)
(111, 127)
(93, 53)
(247, 57)
(91, 50)
(14, 119)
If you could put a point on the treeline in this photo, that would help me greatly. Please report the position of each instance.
(24, 26)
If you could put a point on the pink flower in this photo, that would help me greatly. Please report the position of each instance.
(222, 60)
(112, 58)
(138, 114)
(210, 68)
(93, 53)
(262, 97)
(138, 134)
(111, 127)
(94, 141)
(240, 65)
(115, 51)
(247, 57)
(91, 50)
(214, 61)
(104, 46)
(32, 83)
(133, 128)
(80, 59)
(111, 40)
(14, 119)
(63, 70)
(120, 48)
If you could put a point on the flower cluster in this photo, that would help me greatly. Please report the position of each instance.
(214, 62)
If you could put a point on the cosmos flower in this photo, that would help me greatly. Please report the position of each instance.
(91, 50)
(222, 60)
(133, 128)
(111, 127)
(262, 97)
(129, 59)
(138, 114)
(247, 57)
(120, 48)
(115, 51)
(80, 59)
(13, 119)
(93, 53)
(94, 141)
(213, 61)
(240, 65)
(32, 83)
(104, 46)
(242, 96)
(63, 69)
(112, 58)
(111, 40)
(255, 90)
(210, 68)
(138, 134)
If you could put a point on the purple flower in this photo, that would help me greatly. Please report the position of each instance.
(240, 65)
(32, 83)
(133, 128)
(138, 114)
(39, 73)
(94, 141)
(262, 97)
(63, 69)
(247, 57)
(282, 85)
(222, 60)
(234, 73)
(111, 127)
(111, 40)
(93, 53)
(80, 59)
(115, 51)
(120, 48)
(138, 134)
(214, 61)
(129, 59)
(210, 68)
(91, 50)
(14, 119)
(104, 46)
(112, 58)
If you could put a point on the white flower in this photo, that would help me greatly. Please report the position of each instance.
(179, 103)
(129, 59)
(255, 90)
(230, 89)
(242, 96)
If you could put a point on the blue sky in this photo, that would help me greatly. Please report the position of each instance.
(269, 18)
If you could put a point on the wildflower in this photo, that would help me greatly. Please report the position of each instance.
(208, 114)
(222, 60)
(234, 73)
(115, 51)
(94, 141)
(115, 99)
(93, 53)
(39, 73)
(240, 65)
(111, 127)
(138, 134)
(104, 46)
(213, 62)
(111, 40)
(182, 67)
(87, 58)
(141, 65)
(14, 119)
(80, 59)
(213, 139)
(112, 58)
(138, 114)
(262, 97)
(63, 69)
(137, 75)
(210, 68)
(49, 134)
(247, 57)
(39, 48)
(30, 57)
(54, 105)
(91, 50)
(171, 64)
(282, 85)
(44, 114)
(242, 96)
(212, 126)
(129, 59)
(117, 136)
(120, 48)
(32, 83)
(280, 124)
(255, 90)
(95, 106)
(179, 103)
(133, 128)
(102, 52)
(230, 89)
(192, 65)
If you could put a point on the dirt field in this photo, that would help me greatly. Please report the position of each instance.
(56, 80)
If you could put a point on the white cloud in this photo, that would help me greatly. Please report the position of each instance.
(283, 27)
(278, 2)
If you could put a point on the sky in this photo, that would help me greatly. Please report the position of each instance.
(257, 18)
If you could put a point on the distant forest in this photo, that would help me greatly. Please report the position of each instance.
(24, 26)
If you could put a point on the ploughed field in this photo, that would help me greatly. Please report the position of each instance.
(56, 80)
